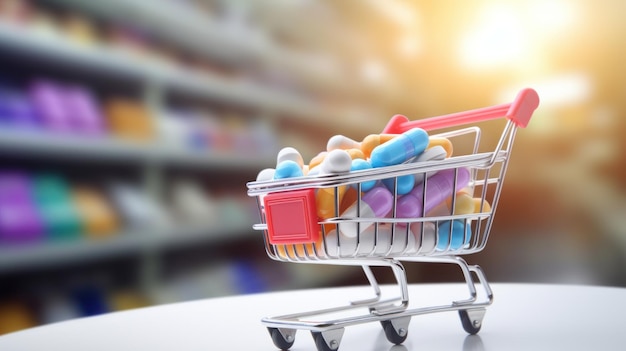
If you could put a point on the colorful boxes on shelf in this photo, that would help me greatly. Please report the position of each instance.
(20, 220)
(130, 119)
(99, 218)
(60, 216)
(44, 207)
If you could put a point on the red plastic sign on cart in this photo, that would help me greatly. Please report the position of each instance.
(292, 217)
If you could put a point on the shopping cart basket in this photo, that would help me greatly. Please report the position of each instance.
(294, 232)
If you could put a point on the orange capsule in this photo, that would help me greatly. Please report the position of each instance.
(356, 153)
(348, 199)
(317, 160)
(328, 227)
(325, 201)
(371, 141)
(329, 199)
(301, 250)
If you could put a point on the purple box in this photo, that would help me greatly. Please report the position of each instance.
(20, 221)
(15, 186)
(16, 110)
(47, 99)
(85, 116)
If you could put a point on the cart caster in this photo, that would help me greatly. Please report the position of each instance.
(328, 340)
(282, 338)
(472, 320)
(396, 330)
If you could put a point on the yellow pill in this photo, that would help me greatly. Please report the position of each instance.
(485, 204)
(305, 250)
(302, 250)
(463, 204)
(356, 153)
(325, 201)
(317, 160)
(281, 251)
(371, 141)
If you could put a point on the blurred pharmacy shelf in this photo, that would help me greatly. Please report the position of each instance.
(217, 94)
(15, 259)
(107, 62)
(59, 146)
(234, 44)
(182, 25)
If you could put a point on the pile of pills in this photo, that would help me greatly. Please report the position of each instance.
(418, 195)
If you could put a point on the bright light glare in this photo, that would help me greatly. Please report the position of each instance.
(551, 15)
(508, 34)
(564, 90)
(373, 71)
(397, 11)
(408, 46)
(498, 38)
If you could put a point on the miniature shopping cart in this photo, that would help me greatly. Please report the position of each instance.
(294, 232)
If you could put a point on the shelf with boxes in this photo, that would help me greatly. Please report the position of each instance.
(142, 105)
(58, 51)
(39, 144)
(63, 126)
(146, 121)
(161, 73)
(49, 118)
(32, 257)
(231, 33)
(46, 220)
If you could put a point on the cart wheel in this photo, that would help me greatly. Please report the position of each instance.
(472, 320)
(283, 342)
(328, 340)
(396, 330)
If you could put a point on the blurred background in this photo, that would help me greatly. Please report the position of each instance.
(129, 128)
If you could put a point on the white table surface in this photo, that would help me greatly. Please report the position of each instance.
(522, 317)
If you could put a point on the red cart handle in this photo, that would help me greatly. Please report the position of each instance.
(519, 111)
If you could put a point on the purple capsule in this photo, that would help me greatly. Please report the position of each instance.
(438, 188)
